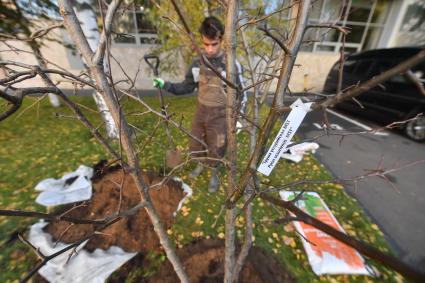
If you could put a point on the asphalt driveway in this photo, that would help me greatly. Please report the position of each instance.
(397, 205)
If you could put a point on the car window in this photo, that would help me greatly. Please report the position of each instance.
(401, 79)
(349, 66)
(362, 68)
(417, 71)
(380, 66)
(335, 67)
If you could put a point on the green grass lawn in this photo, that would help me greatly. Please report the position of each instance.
(36, 144)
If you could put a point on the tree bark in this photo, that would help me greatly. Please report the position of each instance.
(54, 100)
(98, 72)
(231, 117)
(295, 40)
(253, 136)
(87, 18)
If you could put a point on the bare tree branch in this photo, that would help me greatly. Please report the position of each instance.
(341, 29)
(419, 85)
(265, 17)
(162, 116)
(72, 25)
(277, 40)
(34, 35)
(99, 55)
(302, 9)
(33, 214)
(16, 99)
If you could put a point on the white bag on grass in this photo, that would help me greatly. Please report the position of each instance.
(83, 266)
(72, 187)
(296, 152)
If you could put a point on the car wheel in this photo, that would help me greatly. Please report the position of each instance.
(415, 129)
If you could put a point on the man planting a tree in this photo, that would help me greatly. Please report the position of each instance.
(209, 123)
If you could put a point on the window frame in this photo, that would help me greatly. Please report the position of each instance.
(336, 45)
(138, 36)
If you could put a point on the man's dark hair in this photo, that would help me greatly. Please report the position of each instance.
(212, 28)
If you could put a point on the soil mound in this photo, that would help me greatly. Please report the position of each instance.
(204, 262)
(133, 234)
(203, 259)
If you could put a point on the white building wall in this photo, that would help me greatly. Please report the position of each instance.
(130, 58)
(52, 51)
(310, 71)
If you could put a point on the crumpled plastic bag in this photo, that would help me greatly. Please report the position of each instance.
(296, 152)
(187, 190)
(83, 266)
(72, 187)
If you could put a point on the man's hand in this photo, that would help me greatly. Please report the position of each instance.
(159, 83)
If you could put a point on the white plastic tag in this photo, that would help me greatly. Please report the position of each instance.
(283, 138)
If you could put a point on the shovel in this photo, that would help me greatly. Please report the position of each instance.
(172, 156)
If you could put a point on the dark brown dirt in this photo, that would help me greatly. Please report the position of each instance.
(134, 234)
(204, 262)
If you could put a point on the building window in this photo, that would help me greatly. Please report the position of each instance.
(133, 25)
(365, 20)
(412, 28)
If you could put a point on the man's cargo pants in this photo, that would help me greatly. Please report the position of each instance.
(209, 125)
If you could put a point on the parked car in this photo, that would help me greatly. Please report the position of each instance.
(396, 99)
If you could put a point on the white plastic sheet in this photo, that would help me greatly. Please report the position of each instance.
(72, 187)
(296, 152)
(188, 190)
(82, 267)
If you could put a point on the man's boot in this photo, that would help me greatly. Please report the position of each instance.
(213, 185)
(195, 172)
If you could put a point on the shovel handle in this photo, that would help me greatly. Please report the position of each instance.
(164, 112)
(153, 62)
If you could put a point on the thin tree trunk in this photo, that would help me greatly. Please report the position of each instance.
(54, 100)
(231, 116)
(253, 136)
(98, 72)
(87, 18)
(302, 8)
(268, 84)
